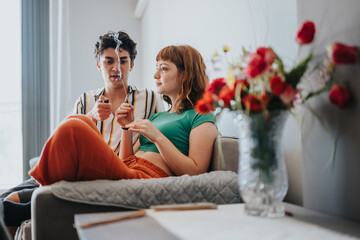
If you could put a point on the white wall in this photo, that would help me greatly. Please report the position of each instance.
(87, 20)
(90, 19)
(207, 25)
(333, 188)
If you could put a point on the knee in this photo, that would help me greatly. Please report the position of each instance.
(72, 125)
(83, 118)
(78, 116)
(74, 128)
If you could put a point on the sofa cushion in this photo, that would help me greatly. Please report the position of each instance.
(219, 187)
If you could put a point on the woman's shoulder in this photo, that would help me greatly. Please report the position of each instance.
(196, 118)
(192, 113)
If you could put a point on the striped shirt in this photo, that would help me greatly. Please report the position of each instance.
(145, 102)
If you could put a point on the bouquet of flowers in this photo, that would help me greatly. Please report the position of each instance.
(261, 90)
(259, 86)
(259, 82)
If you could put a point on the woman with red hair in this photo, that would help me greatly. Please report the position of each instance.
(171, 143)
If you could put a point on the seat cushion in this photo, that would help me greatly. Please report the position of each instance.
(219, 187)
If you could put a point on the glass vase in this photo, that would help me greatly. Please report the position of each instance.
(262, 172)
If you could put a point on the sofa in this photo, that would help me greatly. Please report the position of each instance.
(54, 206)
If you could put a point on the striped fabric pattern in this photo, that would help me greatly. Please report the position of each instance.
(146, 103)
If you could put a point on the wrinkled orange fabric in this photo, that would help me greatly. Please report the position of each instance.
(76, 151)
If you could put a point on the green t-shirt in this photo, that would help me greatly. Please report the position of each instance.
(176, 127)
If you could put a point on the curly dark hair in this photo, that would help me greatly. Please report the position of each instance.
(108, 41)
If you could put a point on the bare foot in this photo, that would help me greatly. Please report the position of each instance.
(13, 197)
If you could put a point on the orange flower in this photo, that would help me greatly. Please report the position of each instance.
(208, 97)
(226, 94)
(252, 103)
(264, 100)
(205, 104)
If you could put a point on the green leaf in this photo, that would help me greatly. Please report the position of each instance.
(294, 76)
(278, 61)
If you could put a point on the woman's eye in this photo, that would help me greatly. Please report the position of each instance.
(109, 61)
(164, 69)
(123, 62)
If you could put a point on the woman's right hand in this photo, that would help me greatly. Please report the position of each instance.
(101, 111)
(124, 114)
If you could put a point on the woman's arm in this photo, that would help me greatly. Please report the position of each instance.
(126, 149)
(124, 115)
(201, 142)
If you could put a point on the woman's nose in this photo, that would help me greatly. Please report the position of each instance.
(156, 75)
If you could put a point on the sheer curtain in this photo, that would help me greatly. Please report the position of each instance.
(35, 77)
(60, 64)
(45, 72)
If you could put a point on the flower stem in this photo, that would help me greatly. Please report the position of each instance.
(312, 94)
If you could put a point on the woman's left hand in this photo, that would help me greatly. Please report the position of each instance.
(124, 114)
(146, 128)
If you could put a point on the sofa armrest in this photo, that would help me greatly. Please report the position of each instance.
(53, 218)
(230, 151)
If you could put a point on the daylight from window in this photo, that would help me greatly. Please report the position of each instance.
(10, 97)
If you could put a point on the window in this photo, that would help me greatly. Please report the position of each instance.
(11, 163)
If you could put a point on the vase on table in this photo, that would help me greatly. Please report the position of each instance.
(262, 172)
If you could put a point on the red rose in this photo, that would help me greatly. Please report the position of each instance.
(343, 54)
(267, 54)
(216, 85)
(226, 94)
(288, 95)
(339, 95)
(256, 65)
(306, 33)
(252, 103)
(277, 85)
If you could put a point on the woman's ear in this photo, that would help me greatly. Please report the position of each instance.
(98, 66)
(132, 66)
(181, 77)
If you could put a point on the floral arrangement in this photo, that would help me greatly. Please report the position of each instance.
(258, 81)
(259, 85)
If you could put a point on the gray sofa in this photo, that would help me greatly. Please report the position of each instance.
(53, 208)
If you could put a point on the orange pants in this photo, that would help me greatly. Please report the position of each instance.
(76, 151)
